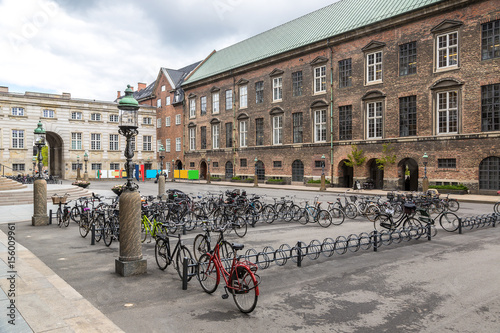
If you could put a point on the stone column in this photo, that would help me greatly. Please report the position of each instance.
(161, 185)
(130, 261)
(323, 183)
(40, 203)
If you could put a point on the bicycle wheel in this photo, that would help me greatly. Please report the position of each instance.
(179, 261)
(268, 214)
(208, 274)
(99, 227)
(161, 253)
(59, 217)
(83, 226)
(75, 214)
(239, 226)
(244, 289)
(382, 222)
(496, 208)
(350, 211)
(453, 205)
(226, 254)
(398, 210)
(144, 229)
(200, 246)
(337, 216)
(412, 223)
(449, 221)
(108, 233)
(66, 218)
(371, 212)
(323, 218)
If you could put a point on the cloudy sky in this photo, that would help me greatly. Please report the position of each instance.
(93, 48)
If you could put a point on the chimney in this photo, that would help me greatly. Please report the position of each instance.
(4, 89)
(119, 94)
(140, 86)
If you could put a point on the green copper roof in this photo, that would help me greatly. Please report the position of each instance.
(335, 19)
(128, 99)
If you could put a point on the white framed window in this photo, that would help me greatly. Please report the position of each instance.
(47, 113)
(158, 103)
(113, 118)
(277, 130)
(167, 121)
(147, 121)
(76, 115)
(203, 105)
(374, 67)
(243, 133)
(95, 141)
(229, 99)
(447, 50)
(167, 145)
(96, 166)
(177, 144)
(192, 138)
(18, 139)
(192, 108)
(158, 123)
(215, 103)
(76, 141)
(163, 88)
(17, 111)
(447, 112)
(320, 126)
(167, 100)
(147, 143)
(320, 79)
(277, 89)
(113, 142)
(114, 166)
(18, 167)
(95, 117)
(243, 97)
(374, 116)
(177, 119)
(215, 136)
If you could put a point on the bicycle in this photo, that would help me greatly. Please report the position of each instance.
(164, 256)
(449, 221)
(315, 213)
(240, 279)
(407, 221)
(151, 224)
(202, 243)
(63, 212)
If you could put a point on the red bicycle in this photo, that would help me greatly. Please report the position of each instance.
(241, 280)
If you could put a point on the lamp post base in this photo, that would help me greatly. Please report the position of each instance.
(40, 203)
(323, 183)
(208, 178)
(255, 181)
(130, 268)
(86, 176)
(161, 185)
(425, 184)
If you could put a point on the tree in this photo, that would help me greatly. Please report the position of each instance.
(355, 157)
(45, 155)
(388, 157)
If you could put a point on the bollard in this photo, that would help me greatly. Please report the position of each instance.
(50, 216)
(299, 254)
(184, 229)
(428, 231)
(92, 234)
(185, 273)
(459, 225)
(375, 240)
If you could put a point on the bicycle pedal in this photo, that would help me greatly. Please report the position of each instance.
(225, 296)
(385, 225)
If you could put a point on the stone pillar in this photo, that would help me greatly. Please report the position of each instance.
(161, 185)
(40, 203)
(130, 261)
(425, 184)
(208, 178)
(323, 183)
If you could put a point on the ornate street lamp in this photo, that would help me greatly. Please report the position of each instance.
(128, 123)
(255, 179)
(173, 170)
(209, 180)
(323, 182)
(162, 156)
(86, 159)
(40, 185)
(78, 167)
(34, 165)
(425, 182)
(39, 143)
(161, 176)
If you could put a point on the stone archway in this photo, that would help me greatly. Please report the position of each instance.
(261, 171)
(297, 171)
(55, 155)
(229, 170)
(178, 165)
(203, 170)
(376, 174)
(408, 175)
(345, 175)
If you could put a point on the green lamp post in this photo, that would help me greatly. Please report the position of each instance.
(323, 182)
(425, 181)
(255, 179)
(86, 159)
(40, 185)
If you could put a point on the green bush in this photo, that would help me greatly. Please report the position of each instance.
(236, 178)
(272, 180)
(249, 180)
(450, 187)
(317, 181)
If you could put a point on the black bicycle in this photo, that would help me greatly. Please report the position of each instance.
(165, 256)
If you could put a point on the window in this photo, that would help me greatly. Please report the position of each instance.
(320, 126)
(297, 128)
(75, 166)
(177, 119)
(215, 102)
(229, 99)
(167, 145)
(95, 141)
(229, 135)
(243, 97)
(277, 89)
(96, 166)
(447, 50)
(18, 167)
(277, 130)
(259, 92)
(243, 133)
(158, 123)
(18, 139)
(374, 67)
(447, 163)
(215, 136)
(95, 117)
(132, 143)
(158, 103)
(259, 131)
(114, 166)
(17, 111)
(447, 113)
(203, 105)
(192, 108)
(76, 115)
(203, 137)
(318, 164)
(490, 40)
(243, 162)
(374, 120)
(345, 73)
(489, 173)
(163, 88)
(345, 122)
(113, 142)
(167, 100)
(277, 164)
(191, 164)
(113, 118)
(146, 143)
(408, 116)
(297, 83)
(48, 113)
(215, 164)
(408, 59)
(147, 121)
(192, 138)
(490, 107)
(76, 141)
(320, 79)
(167, 122)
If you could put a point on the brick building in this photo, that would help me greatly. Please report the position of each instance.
(392, 78)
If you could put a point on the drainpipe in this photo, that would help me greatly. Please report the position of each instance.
(233, 132)
(331, 111)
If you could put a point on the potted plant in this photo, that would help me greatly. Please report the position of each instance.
(276, 181)
(81, 183)
(118, 189)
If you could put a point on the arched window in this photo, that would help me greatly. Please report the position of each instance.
(489, 173)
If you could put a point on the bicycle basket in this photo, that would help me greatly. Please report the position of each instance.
(59, 199)
(409, 208)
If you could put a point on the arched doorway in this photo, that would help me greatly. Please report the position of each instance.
(203, 170)
(229, 170)
(261, 171)
(376, 174)
(346, 174)
(55, 145)
(408, 174)
(297, 171)
(489, 173)
(178, 165)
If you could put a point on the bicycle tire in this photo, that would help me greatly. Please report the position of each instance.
(66, 218)
(59, 217)
(412, 224)
(108, 233)
(351, 211)
(239, 226)
(200, 246)
(75, 214)
(454, 205)
(83, 226)
(383, 222)
(99, 227)
(323, 218)
(182, 253)
(496, 208)
(244, 289)
(144, 229)
(208, 274)
(337, 215)
(268, 214)
(449, 221)
(161, 254)
(304, 217)
(226, 254)
(398, 210)
(371, 212)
